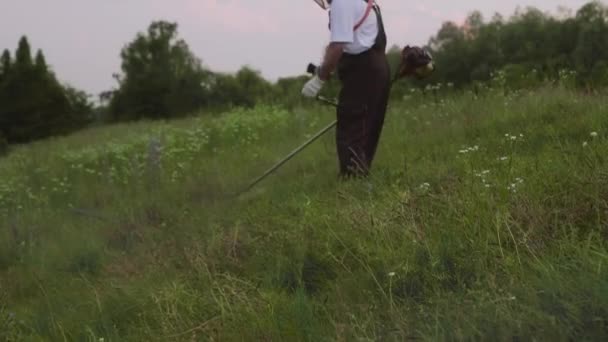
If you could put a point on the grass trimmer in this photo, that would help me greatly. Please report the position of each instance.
(311, 69)
(291, 155)
(415, 62)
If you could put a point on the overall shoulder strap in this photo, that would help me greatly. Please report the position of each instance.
(370, 5)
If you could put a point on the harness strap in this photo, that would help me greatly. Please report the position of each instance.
(370, 5)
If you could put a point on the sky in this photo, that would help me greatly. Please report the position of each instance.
(82, 39)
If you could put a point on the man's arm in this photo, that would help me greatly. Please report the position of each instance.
(332, 57)
(342, 22)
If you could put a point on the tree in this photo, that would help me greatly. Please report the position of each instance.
(40, 63)
(245, 88)
(253, 86)
(20, 109)
(473, 24)
(592, 38)
(529, 47)
(450, 50)
(5, 68)
(161, 77)
(288, 89)
(394, 58)
(34, 104)
(81, 108)
(23, 56)
(5, 64)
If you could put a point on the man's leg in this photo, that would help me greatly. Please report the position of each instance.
(363, 103)
(351, 132)
(380, 89)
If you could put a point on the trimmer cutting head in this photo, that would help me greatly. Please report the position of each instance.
(416, 62)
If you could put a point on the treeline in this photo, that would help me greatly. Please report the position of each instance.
(528, 48)
(33, 103)
(161, 78)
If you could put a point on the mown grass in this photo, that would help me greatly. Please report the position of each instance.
(485, 219)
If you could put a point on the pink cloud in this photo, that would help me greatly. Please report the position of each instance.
(428, 11)
(233, 16)
(437, 14)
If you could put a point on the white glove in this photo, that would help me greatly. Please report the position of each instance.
(313, 87)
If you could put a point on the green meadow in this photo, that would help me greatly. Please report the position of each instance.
(485, 218)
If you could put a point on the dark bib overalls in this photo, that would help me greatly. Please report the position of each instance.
(363, 99)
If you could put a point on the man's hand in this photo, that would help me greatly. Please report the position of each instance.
(332, 56)
(312, 87)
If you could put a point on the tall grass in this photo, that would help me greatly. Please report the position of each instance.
(485, 219)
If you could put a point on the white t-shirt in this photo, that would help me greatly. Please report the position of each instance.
(344, 15)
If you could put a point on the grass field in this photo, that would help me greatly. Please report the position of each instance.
(486, 218)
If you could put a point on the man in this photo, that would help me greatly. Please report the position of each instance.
(357, 52)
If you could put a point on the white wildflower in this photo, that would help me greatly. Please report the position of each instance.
(468, 149)
(585, 144)
(513, 186)
(391, 274)
(482, 174)
(593, 134)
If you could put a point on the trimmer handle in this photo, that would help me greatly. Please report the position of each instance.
(311, 69)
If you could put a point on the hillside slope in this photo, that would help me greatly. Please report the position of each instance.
(486, 218)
